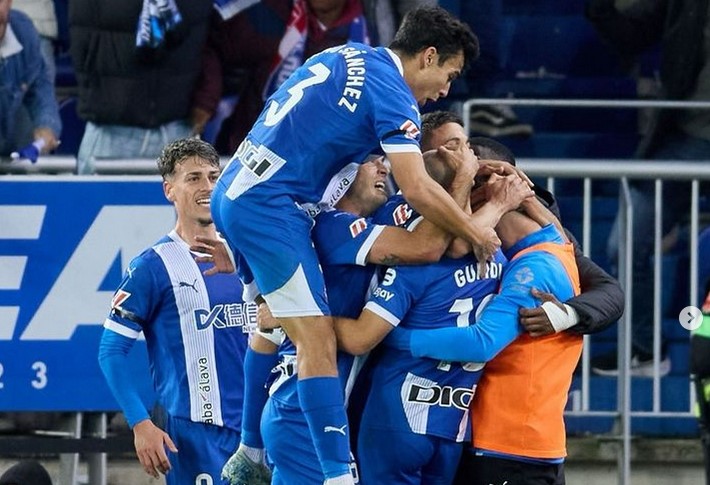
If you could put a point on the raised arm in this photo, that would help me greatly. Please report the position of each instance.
(435, 204)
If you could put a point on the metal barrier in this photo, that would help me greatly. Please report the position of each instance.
(588, 169)
(585, 170)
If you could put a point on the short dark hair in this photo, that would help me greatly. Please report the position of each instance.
(438, 169)
(179, 150)
(435, 27)
(435, 119)
(490, 149)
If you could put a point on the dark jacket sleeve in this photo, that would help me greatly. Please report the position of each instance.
(601, 301)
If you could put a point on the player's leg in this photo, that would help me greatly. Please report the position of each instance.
(392, 457)
(273, 236)
(320, 391)
(202, 450)
(288, 441)
(248, 465)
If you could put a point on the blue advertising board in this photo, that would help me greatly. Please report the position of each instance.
(64, 245)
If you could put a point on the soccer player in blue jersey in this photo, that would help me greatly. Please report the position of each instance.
(601, 302)
(349, 243)
(195, 327)
(518, 409)
(340, 106)
(416, 415)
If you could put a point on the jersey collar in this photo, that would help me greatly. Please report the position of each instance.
(396, 59)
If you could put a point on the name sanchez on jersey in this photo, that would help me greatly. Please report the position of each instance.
(356, 73)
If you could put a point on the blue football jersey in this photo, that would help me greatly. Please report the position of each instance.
(426, 396)
(342, 241)
(341, 105)
(397, 212)
(196, 330)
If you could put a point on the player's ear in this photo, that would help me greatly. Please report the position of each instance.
(427, 57)
(168, 191)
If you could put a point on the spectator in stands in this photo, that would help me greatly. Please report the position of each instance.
(135, 99)
(251, 53)
(195, 326)
(29, 114)
(26, 472)
(45, 21)
(384, 17)
(683, 29)
(486, 19)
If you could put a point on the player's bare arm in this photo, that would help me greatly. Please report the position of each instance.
(427, 242)
(491, 201)
(359, 336)
(537, 211)
(488, 167)
(435, 204)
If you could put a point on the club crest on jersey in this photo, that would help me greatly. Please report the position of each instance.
(357, 227)
(402, 214)
(119, 298)
(410, 129)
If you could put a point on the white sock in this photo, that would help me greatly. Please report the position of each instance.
(341, 480)
(254, 454)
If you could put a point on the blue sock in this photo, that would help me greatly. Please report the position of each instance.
(257, 367)
(321, 400)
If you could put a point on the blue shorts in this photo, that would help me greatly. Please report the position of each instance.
(274, 238)
(203, 450)
(289, 445)
(406, 458)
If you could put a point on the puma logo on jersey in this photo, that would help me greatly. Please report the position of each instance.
(185, 284)
(331, 429)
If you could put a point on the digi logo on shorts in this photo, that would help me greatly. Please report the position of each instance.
(226, 316)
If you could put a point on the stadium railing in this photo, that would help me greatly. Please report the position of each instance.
(623, 170)
(584, 170)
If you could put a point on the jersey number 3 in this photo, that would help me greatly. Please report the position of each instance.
(277, 112)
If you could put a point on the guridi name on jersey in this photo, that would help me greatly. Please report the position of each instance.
(469, 273)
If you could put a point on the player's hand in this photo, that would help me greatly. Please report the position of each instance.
(508, 192)
(150, 442)
(215, 252)
(461, 160)
(485, 247)
(48, 137)
(535, 320)
(265, 320)
(487, 167)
